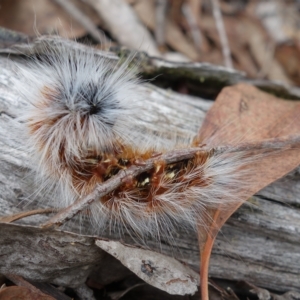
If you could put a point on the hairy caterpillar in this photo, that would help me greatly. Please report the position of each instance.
(83, 126)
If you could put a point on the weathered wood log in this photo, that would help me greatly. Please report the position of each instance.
(260, 243)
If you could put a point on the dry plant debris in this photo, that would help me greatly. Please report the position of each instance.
(258, 38)
(263, 37)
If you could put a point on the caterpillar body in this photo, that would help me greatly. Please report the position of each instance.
(83, 127)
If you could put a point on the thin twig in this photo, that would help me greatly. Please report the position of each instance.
(193, 24)
(81, 18)
(21, 215)
(170, 157)
(123, 24)
(160, 24)
(270, 144)
(113, 183)
(222, 33)
(174, 36)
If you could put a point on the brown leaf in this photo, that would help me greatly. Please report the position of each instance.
(44, 17)
(19, 292)
(244, 114)
(288, 56)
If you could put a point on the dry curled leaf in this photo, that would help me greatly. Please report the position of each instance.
(158, 270)
(245, 114)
